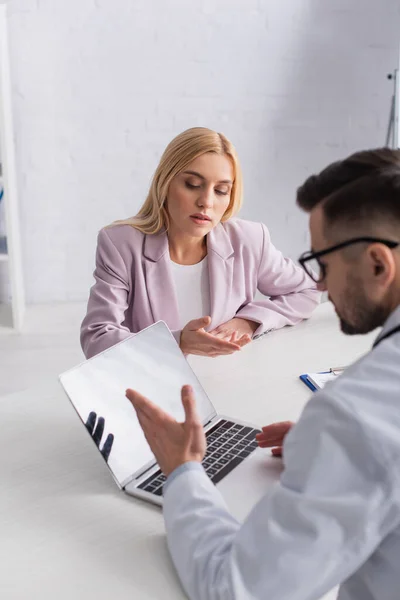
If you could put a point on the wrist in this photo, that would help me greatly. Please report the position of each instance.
(176, 465)
(252, 325)
(183, 468)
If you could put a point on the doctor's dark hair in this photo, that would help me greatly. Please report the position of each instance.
(342, 172)
(360, 193)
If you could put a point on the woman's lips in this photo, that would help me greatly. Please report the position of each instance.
(200, 220)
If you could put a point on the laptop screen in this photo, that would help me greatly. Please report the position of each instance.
(150, 362)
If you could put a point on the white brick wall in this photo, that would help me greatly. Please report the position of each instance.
(100, 87)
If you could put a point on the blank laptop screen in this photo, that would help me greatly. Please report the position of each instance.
(149, 362)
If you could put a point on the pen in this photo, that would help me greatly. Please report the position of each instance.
(336, 370)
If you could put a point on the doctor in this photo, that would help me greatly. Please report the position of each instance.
(334, 517)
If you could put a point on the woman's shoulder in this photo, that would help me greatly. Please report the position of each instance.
(121, 237)
(247, 231)
(122, 231)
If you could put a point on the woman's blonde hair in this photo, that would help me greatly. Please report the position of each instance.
(186, 147)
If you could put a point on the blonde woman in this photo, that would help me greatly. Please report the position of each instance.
(184, 259)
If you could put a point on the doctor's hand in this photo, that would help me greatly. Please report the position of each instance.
(272, 436)
(237, 330)
(195, 340)
(172, 443)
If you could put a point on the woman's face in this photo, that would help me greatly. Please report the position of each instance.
(199, 196)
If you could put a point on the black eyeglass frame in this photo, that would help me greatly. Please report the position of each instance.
(310, 255)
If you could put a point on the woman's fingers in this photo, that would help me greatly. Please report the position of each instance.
(233, 336)
(244, 340)
(222, 351)
(218, 344)
(223, 335)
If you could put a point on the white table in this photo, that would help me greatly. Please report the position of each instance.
(65, 529)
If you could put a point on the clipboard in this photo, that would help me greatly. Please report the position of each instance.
(309, 384)
(314, 382)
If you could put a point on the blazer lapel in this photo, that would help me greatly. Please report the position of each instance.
(159, 281)
(220, 266)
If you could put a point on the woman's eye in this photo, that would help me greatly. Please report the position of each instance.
(222, 192)
(191, 186)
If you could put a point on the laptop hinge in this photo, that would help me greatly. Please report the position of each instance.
(138, 474)
(209, 419)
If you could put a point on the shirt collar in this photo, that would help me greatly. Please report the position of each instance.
(391, 322)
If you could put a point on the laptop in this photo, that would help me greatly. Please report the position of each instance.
(152, 363)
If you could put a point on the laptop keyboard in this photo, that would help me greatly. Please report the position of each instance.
(228, 444)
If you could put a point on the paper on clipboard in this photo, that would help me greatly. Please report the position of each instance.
(319, 380)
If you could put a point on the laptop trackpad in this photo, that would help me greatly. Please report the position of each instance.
(248, 482)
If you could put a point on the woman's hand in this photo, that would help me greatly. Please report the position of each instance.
(195, 340)
(272, 436)
(237, 330)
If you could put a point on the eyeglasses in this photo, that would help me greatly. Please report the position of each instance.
(310, 261)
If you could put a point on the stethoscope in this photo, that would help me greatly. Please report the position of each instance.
(387, 335)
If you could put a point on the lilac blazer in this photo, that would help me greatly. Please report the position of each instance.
(134, 286)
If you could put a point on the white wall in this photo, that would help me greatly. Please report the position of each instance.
(100, 87)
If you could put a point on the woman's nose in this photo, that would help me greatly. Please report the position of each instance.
(207, 198)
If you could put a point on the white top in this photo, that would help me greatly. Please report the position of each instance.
(192, 288)
(333, 518)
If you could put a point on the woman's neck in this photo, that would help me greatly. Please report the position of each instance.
(185, 249)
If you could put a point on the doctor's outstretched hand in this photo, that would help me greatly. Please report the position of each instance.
(172, 443)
